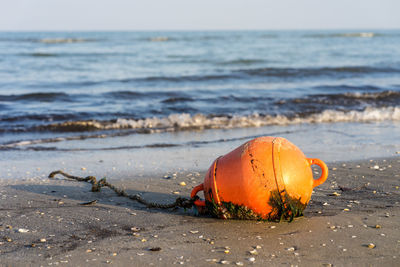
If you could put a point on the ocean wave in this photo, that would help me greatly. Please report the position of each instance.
(49, 40)
(344, 71)
(186, 78)
(183, 121)
(323, 71)
(159, 39)
(40, 97)
(386, 95)
(171, 100)
(64, 40)
(345, 35)
(243, 61)
(345, 87)
(338, 72)
(40, 54)
(351, 100)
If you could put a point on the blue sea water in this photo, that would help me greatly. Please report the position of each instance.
(65, 91)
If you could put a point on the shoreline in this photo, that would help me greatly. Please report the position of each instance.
(336, 228)
(168, 153)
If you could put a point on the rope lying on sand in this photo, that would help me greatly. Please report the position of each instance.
(182, 202)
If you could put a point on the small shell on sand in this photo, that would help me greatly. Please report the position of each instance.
(371, 245)
(253, 252)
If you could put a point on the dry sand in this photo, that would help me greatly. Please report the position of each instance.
(352, 219)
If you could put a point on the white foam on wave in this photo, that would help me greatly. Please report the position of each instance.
(183, 121)
(200, 121)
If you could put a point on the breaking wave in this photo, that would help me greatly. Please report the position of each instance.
(179, 122)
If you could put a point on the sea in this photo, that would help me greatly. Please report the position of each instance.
(164, 101)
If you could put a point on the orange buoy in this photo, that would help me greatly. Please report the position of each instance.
(267, 178)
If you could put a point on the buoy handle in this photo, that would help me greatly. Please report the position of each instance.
(324, 170)
(196, 189)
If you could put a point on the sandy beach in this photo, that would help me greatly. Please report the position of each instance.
(151, 111)
(352, 219)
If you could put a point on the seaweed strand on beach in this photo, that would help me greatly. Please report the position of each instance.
(97, 185)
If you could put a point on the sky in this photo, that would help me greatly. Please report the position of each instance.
(86, 15)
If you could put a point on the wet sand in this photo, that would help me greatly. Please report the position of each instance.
(352, 219)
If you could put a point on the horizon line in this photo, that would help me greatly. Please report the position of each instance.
(194, 30)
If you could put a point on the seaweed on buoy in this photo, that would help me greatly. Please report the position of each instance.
(284, 207)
